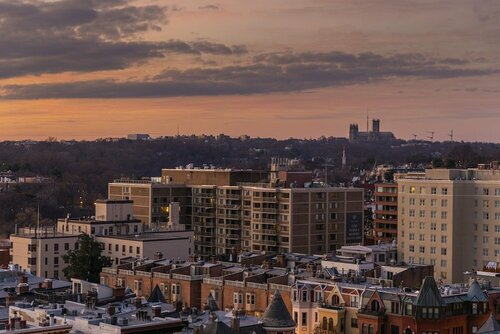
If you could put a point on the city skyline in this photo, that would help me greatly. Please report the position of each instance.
(304, 69)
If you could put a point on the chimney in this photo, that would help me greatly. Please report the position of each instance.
(158, 256)
(156, 311)
(47, 284)
(281, 261)
(111, 310)
(10, 299)
(267, 264)
(23, 279)
(235, 321)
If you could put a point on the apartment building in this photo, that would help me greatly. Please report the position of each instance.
(40, 250)
(241, 210)
(386, 212)
(152, 199)
(450, 218)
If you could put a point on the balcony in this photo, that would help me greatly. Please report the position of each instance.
(265, 210)
(266, 231)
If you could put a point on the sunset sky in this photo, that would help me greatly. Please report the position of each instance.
(85, 69)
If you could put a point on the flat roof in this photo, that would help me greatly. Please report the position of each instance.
(150, 236)
(114, 201)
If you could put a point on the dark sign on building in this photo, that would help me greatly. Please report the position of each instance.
(354, 228)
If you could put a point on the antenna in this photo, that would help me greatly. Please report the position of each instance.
(431, 137)
(367, 121)
(414, 136)
(451, 135)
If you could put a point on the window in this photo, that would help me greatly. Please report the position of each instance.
(486, 191)
(138, 286)
(444, 239)
(444, 214)
(443, 263)
(433, 191)
(66, 246)
(433, 202)
(421, 249)
(443, 251)
(411, 248)
(444, 191)
(433, 250)
(444, 203)
(433, 226)
(354, 301)
(250, 298)
(485, 228)
(354, 322)
(304, 318)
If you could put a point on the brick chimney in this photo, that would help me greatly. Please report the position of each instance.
(281, 260)
(158, 256)
(267, 264)
(156, 311)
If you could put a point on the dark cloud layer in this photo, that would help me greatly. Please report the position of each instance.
(268, 73)
(38, 37)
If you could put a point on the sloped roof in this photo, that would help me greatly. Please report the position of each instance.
(276, 314)
(490, 326)
(217, 327)
(156, 296)
(475, 294)
(211, 303)
(429, 295)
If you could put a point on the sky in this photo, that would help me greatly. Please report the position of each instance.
(85, 69)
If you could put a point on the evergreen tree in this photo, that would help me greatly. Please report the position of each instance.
(87, 261)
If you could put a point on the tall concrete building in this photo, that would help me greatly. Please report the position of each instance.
(450, 218)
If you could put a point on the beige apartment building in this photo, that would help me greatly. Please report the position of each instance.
(121, 236)
(152, 198)
(450, 218)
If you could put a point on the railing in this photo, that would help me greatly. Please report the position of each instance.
(143, 273)
(161, 275)
(126, 272)
(267, 242)
(262, 286)
(239, 284)
(281, 287)
(109, 270)
(187, 277)
(266, 210)
(265, 220)
(233, 236)
(213, 281)
(266, 231)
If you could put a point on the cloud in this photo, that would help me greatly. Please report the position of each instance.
(39, 37)
(209, 7)
(267, 73)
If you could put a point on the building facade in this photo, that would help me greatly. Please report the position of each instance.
(450, 218)
(386, 212)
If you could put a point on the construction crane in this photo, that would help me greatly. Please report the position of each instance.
(431, 137)
(451, 135)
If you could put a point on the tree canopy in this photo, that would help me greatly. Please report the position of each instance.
(87, 261)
